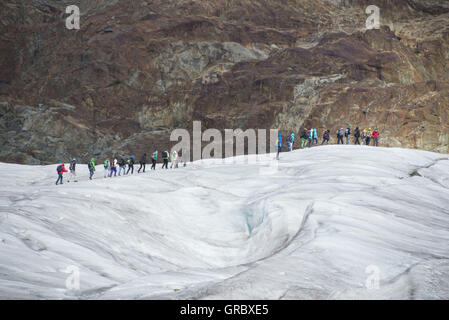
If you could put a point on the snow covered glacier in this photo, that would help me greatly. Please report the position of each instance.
(334, 222)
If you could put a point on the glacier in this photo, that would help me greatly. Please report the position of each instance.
(332, 222)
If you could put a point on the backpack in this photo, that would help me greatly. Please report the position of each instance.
(89, 165)
(59, 169)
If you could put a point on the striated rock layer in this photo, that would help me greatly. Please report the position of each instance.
(138, 69)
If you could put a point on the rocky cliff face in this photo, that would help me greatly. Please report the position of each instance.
(138, 69)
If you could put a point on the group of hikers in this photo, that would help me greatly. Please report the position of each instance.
(125, 167)
(309, 138)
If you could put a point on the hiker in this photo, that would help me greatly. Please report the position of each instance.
(293, 140)
(113, 168)
(279, 145)
(304, 138)
(315, 137)
(326, 136)
(348, 133)
(376, 135)
(357, 136)
(368, 136)
(174, 159)
(363, 137)
(340, 136)
(72, 170)
(130, 165)
(60, 170)
(142, 162)
(165, 156)
(309, 137)
(289, 143)
(122, 166)
(91, 166)
(153, 160)
(107, 168)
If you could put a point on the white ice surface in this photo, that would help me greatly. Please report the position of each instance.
(306, 229)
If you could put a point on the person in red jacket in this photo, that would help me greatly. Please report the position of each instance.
(376, 135)
(60, 169)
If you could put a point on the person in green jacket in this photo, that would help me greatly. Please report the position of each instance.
(91, 166)
(153, 160)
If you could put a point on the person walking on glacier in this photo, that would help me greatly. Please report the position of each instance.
(340, 136)
(165, 157)
(289, 143)
(326, 136)
(315, 137)
(91, 166)
(72, 171)
(174, 159)
(348, 133)
(122, 166)
(304, 138)
(357, 136)
(376, 135)
(363, 137)
(60, 170)
(153, 160)
(310, 137)
(142, 163)
(279, 145)
(293, 140)
(368, 136)
(107, 168)
(113, 168)
(130, 165)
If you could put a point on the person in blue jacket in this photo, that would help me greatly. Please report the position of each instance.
(293, 140)
(279, 143)
(315, 136)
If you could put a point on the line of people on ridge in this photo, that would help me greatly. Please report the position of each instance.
(110, 166)
(309, 138)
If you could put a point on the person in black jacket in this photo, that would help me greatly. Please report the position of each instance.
(142, 162)
(357, 135)
(122, 166)
(326, 136)
(72, 171)
(165, 156)
(130, 165)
